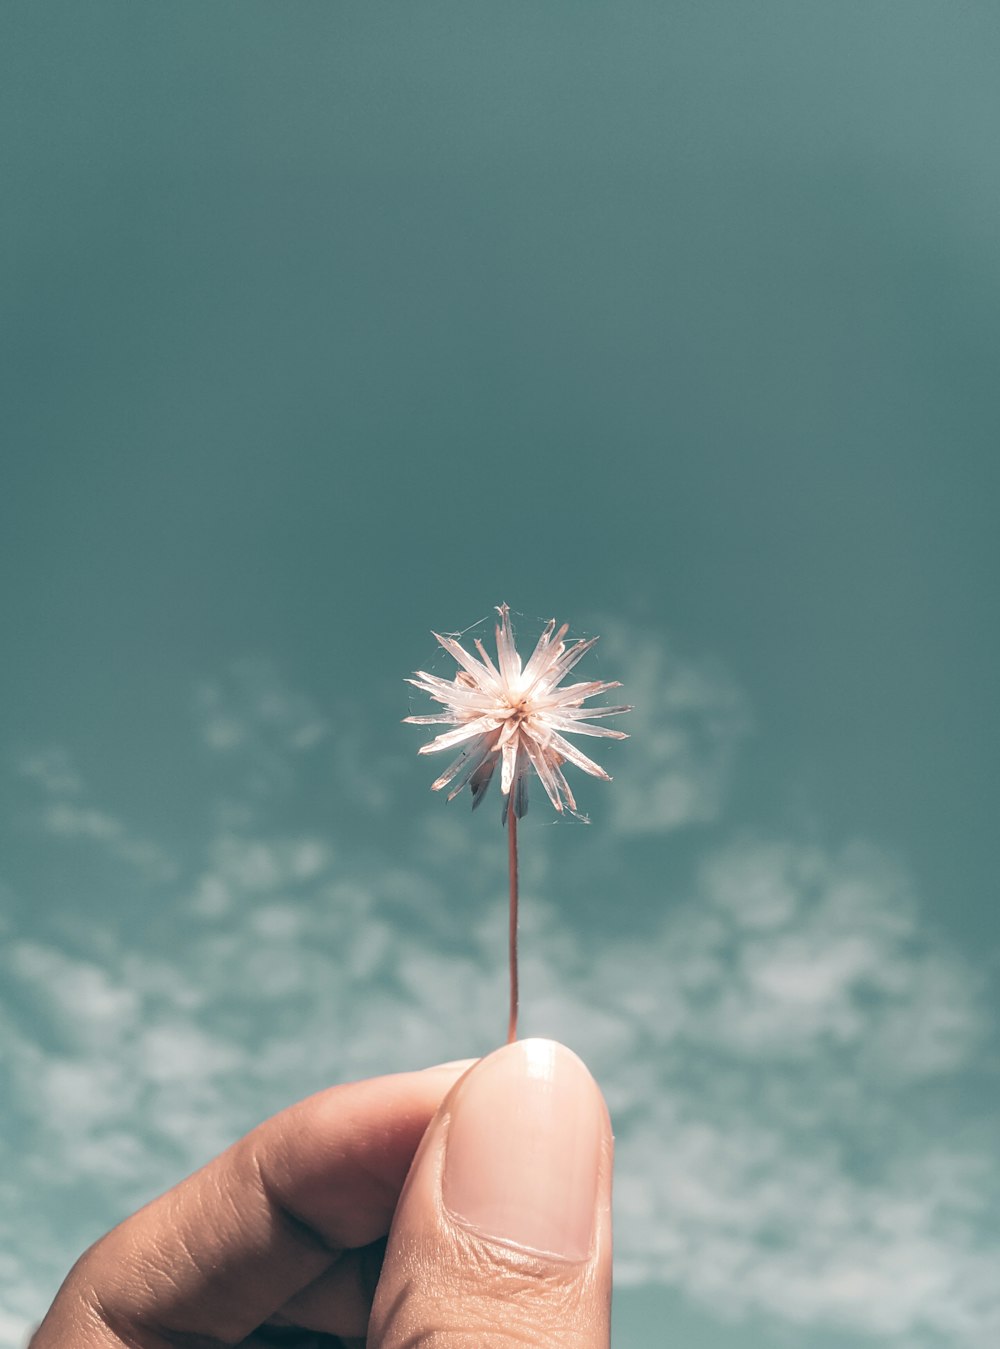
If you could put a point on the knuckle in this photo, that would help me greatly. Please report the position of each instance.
(499, 1298)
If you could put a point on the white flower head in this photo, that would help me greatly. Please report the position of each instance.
(515, 714)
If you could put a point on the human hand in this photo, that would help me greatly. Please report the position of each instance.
(303, 1233)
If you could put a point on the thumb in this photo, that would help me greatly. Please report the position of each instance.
(503, 1233)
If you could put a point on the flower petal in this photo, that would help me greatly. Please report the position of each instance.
(569, 658)
(486, 660)
(481, 778)
(509, 764)
(507, 657)
(564, 787)
(464, 732)
(570, 724)
(577, 757)
(472, 755)
(543, 768)
(520, 793)
(478, 671)
(453, 694)
(584, 713)
(547, 649)
(580, 692)
(509, 728)
(481, 760)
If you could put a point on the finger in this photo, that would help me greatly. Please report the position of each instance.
(503, 1234)
(215, 1257)
(339, 1302)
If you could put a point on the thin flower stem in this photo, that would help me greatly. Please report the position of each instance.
(512, 946)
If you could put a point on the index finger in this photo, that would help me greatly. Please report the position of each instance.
(216, 1256)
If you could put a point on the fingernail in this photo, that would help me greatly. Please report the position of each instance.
(523, 1148)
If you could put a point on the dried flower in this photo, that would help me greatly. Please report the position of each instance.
(516, 715)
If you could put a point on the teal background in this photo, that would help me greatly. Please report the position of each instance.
(327, 324)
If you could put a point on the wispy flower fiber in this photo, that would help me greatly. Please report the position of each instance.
(516, 715)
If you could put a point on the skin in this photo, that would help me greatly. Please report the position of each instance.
(327, 1225)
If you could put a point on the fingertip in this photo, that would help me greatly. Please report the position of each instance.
(524, 1149)
(511, 1187)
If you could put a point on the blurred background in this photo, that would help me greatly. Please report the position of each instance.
(326, 325)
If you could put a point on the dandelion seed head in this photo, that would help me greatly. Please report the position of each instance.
(516, 714)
